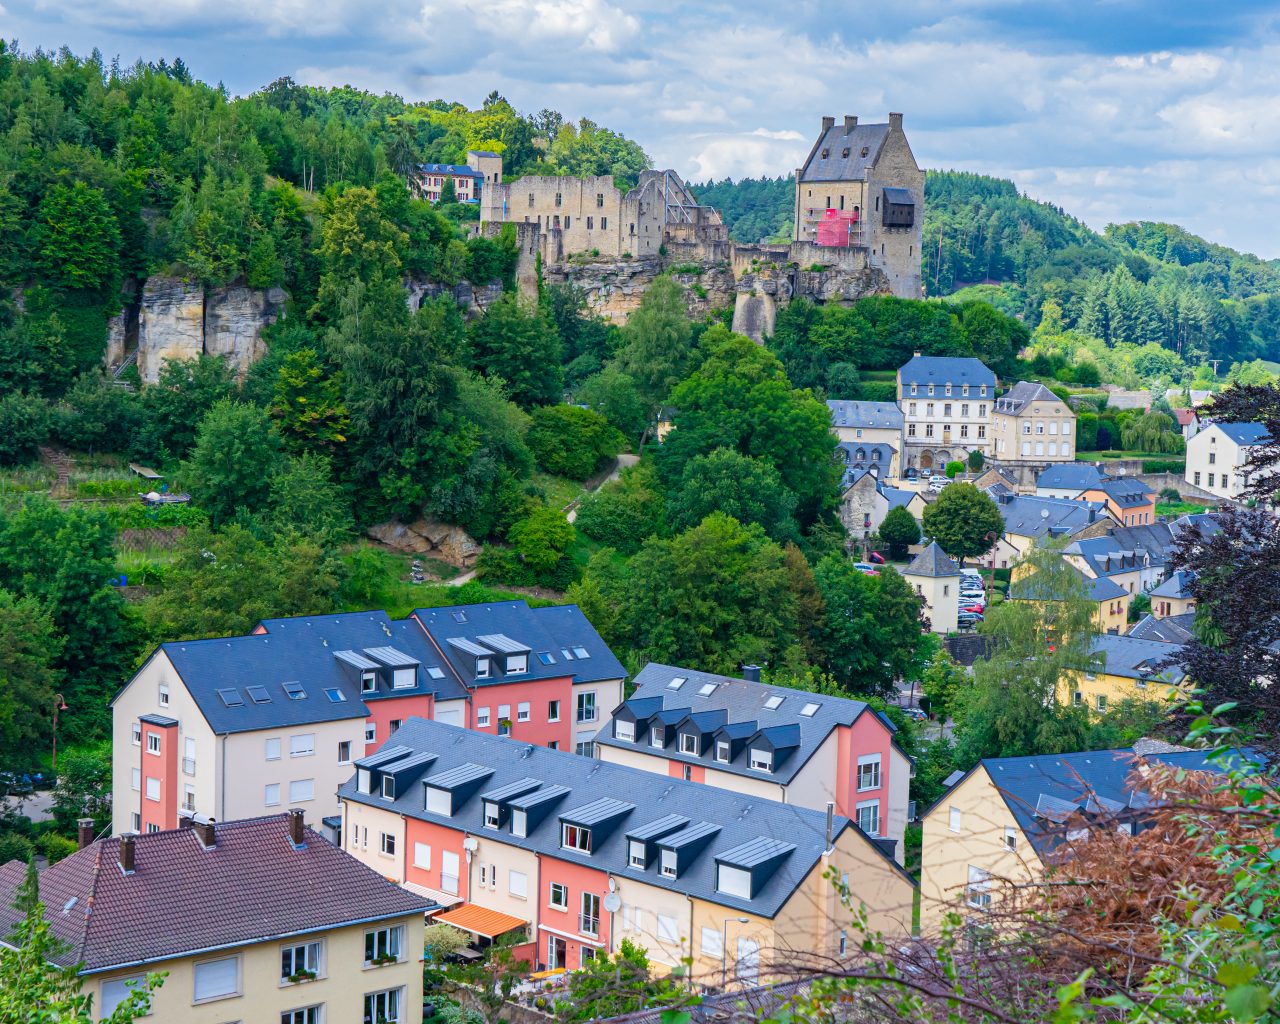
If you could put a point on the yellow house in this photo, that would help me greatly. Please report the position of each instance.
(1174, 596)
(1126, 667)
(1002, 822)
(254, 920)
(1112, 600)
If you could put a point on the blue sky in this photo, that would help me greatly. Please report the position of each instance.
(1116, 110)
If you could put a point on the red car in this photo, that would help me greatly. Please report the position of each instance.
(977, 609)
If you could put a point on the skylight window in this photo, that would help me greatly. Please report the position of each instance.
(773, 703)
(581, 652)
(231, 698)
(258, 694)
(809, 710)
(435, 672)
(546, 657)
(294, 691)
(706, 689)
(335, 695)
(568, 656)
(459, 616)
(676, 683)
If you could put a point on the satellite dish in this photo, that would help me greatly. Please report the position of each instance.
(612, 901)
(471, 844)
(1044, 513)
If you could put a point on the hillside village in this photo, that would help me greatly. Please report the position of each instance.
(479, 589)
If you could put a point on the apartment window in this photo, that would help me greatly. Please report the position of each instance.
(599, 200)
(371, 732)
(624, 731)
(1010, 837)
(568, 220)
(977, 892)
(637, 856)
(302, 745)
(135, 778)
(575, 837)
(271, 794)
(761, 760)
(1026, 427)
(928, 409)
(189, 798)
(667, 864)
(422, 856)
(869, 771)
(1077, 698)
(301, 790)
(928, 430)
(688, 773)
(668, 929)
(953, 819)
(344, 752)
(388, 844)
(383, 1007)
(946, 409)
(116, 992)
(558, 896)
(388, 787)
(164, 687)
(272, 749)
(868, 816)
(589, 921)
(733, 881)
(911, 430)
(553, 711)
(153, 743)
(368, 682)
(657, 736)
(383, 944)
(1213, 458)
(711, 942)
(518, 884)
(153, 788)
(522, 712)
(217, 979)
(449, 872)
(531, 199)
(1102, 702)
(587, 706)
(964, 406)
(137, 821)
(722, 751)
(297, 962)
(964, 430)
(152, 827)
(306, 1015)
(482, 718)
(137, 733)
(688, 743)
(982, 432)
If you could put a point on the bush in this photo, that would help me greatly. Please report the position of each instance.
(878, 391)
(976, 461)
(15, 847)
(1170, 495)
(107, 488)
(567, 440)
(55, 847)
(145, 517)
(623, 514)
(1178, 466)
(954, 469)
(25, 421)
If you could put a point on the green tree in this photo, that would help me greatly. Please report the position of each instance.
(541, 538)
(976, 461)
(177, 403)
(358, 244)
(307, 500)
(616, 397)
(31, 644)
(625, 513)
(263, 266)
(964, 521)
(899, 531)
(448, 192)
(954, 469)
(25, 420)
(748, 489)
(75, 238)
(37, 984)
(308, 404)
(942, 682)
(607, 987)
(97, 415)
(83, 789)
(656, 343)
(567, 440)
(517, 343)
(235, 456)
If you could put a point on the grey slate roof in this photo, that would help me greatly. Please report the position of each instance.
(1134, 658)
(932, 561)
(255, 885)
(743, 702)
(1244, 434)
(1098, 589)
(836, 166)
(858, 457)
(740, 819)
(1125, 491)
(1028, 516)
(867, 415)
(457, 170)
(1023, 394)
(1113, 554)
(1172, 629)
(1074, 476)
(956, 370)
(1178, 585)
(897, 496)
(1061, 782)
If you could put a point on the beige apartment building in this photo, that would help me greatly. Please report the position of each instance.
(946, 406)
(1031, 428)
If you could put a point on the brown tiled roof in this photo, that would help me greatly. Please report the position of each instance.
(182, 899)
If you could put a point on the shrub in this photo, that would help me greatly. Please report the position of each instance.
(623, 514)
(55, 847)
(25, 421)
(695, 269)
(567, 440)
(106, 488)
(1170, 495)
(1164, 466)
(954, 469)
(15, 847)
(877, 391)
(976, 461)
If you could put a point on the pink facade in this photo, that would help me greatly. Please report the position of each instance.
(395, 710)
(581, 923)
(446, 855)
(691, 772)
(867, 736)
(161, 769)
(837, 227)
(547, 703)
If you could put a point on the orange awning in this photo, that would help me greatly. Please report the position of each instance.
(488, 924)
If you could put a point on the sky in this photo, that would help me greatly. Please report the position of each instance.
(1115, 110)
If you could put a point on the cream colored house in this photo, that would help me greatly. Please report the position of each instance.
(257, 920)
(936, 578)
(1032, 427)
(1174, 596)
(946, 404)
(1218, 454)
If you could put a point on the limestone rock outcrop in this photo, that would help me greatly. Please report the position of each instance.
(614, 287)
(429, 537)
(234, 318)
(471, 299)
(170, 324)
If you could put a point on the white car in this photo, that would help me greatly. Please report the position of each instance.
(936, 483)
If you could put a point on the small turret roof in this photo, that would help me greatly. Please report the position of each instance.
(932, 561)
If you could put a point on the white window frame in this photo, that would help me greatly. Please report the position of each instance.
(1010, 838)
(585, 708)
(237, 990)
(625, 731)
(422, 856)
(387, 844)
(308, 961)
(868, 772)
(388, 997)
(711, 942)
(137, 740)
(553, 711)
(517, 884)
(390, 939)
(657, 736)
(116, 991)
(271, 794)
(688, 743)
(522, 711)
(153, 743)
(302, 744)
(761, 760)
(558, 896)
(341, 751)
(723, 751)
(293, 790)
(953, 819)
(575, 837)
(733, 881)
(872, 806)
(482, 718)
(153, 788)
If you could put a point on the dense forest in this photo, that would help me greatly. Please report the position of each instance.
(1135, 283)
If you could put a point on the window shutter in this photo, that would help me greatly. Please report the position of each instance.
(216, 978)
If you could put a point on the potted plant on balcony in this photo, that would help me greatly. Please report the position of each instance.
(298, 977)
(383, 959)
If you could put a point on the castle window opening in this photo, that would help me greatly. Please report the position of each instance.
(599, 199)
(589, 219)
(557, 221)
(531, 199)
(560, 199)
(567, 220)
(604, 223)
(842, 202)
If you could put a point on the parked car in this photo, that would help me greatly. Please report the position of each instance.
(936, 483)
(966, 594)
(876, 557)
(867, 568)
(15, 784)
(916, 714)
(973, 609)
(968, 620)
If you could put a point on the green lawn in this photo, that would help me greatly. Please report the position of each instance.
(1180, 508)
(558, 490)
(384, 582)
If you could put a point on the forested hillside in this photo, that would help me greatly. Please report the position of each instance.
(1136, 283)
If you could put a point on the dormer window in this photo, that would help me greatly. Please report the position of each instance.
(657, 737)
(845, 152)
(388, 787)
(826, 153)
(575, 837)
(624, 731)
(517, 663)
(667, 866)
(364, 780)
(761, 760)
(722, 751)
(636, 854)
(368, 682)
(492, 814)
(482, 668)
(688, 743)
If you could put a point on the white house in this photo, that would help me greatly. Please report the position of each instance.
(1217, 456)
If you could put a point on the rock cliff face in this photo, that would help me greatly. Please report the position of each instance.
(177, 319)
(614, 288)
(471, 299)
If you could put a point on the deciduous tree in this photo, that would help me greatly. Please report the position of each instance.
(964, 521)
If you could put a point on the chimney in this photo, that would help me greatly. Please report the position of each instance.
(205, 833)
(297, 828)
(84, 832)
(127, 853)
(185, 821)
(895, 122)
(831, 823)
(828, 122)
(917, 353)
(751, 673)
(850, 122)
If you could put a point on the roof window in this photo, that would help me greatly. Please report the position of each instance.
(676, 682)
(231, 698)
(546, 657)
(294, 691)
(435, 672)
(258, 694)
(335, 695)
(568, 656)
(809, 710)
(581, 652)
(706, 689)
(459, 616)
(773, 703)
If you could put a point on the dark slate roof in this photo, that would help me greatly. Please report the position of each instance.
(1205, 523)
(551, 634)
(1058, 784)
(1246, 434)
(740, 819)
(1178, 585)
(932, 561)
(1172, 629)
(1112, 554)
(457, 170)
(1125, 491)
(860, 458)
(955, 370)
(899, 196)
(836, 166)
(254, 886)
(1023, 394)
(868, 415)
(897, 496)
(1134, 658)
(1027, 516)
(1098, 589)
(744, 704)
(1070, 476)
(480, 152)
(299, 650)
